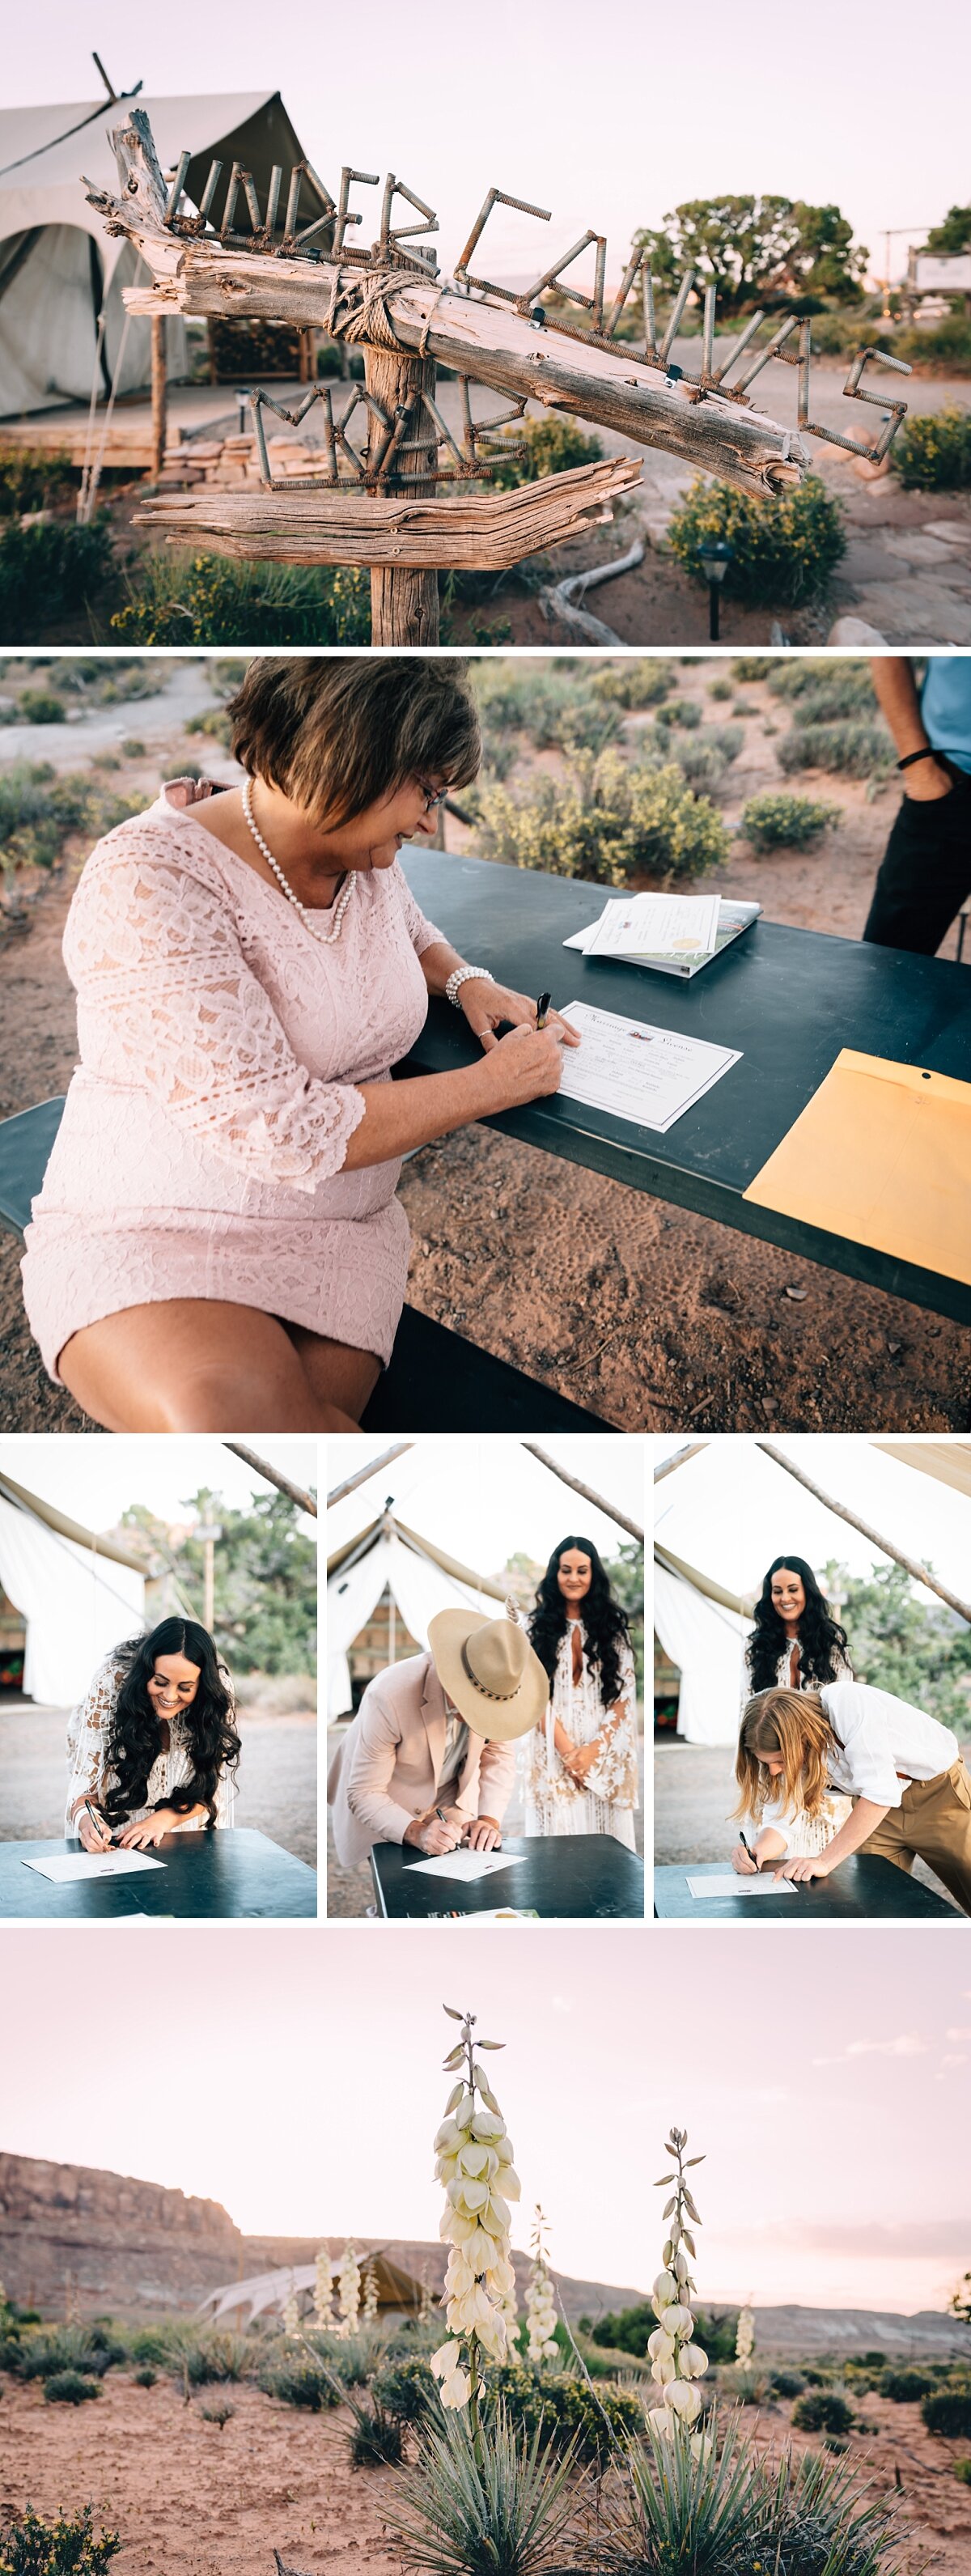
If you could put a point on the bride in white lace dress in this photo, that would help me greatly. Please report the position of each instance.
(581, 1775)
(152, 1747)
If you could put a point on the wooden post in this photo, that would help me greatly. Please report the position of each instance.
(159, 393)
(404, 600)
(920, 1573)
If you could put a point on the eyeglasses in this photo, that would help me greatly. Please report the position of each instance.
(433, 795)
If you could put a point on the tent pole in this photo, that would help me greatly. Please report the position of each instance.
(886, 1545)
(338, 1492)
(250, 1458)
(586, 1490)
(159, 393)
(681, 1460)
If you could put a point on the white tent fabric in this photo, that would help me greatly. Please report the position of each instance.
(75, 1605)
(55, 254)
(418, 1587)
(707, 1643)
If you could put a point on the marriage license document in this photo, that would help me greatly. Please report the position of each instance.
(650, 1076)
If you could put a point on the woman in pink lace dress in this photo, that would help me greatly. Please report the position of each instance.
(217, 1244)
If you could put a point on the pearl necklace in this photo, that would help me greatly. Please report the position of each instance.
(325, 937)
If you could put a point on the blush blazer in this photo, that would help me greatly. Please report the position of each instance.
(387, 1769)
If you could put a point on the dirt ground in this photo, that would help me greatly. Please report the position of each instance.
(189, 2500)
(649, 1316)
(694, 1793)
(277, 1776)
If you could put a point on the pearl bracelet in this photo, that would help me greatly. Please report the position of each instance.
(465, 975)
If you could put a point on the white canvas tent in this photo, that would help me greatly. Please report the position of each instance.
(728, 1510)
(265, 2294)
(57, 264)
(420, 1579)
(78, 1595)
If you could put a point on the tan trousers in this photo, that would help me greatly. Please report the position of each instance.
(933, 1824)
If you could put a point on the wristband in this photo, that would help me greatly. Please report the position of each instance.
(928, 753)
(465, 975)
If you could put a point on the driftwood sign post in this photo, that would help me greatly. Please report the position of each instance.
(408, 500)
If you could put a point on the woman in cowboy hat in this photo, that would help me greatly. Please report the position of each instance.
(429, 1758)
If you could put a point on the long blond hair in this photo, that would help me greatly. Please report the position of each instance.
(793, 1725)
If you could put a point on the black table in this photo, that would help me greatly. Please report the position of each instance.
(566, 1876)
(859, 1890)
(789, 999)
(233, 1872)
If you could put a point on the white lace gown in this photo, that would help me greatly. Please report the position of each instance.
(89, 1774)
(807, 1834)
(605, 1804)
(221, 1043)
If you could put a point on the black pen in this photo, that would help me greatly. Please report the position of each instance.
(745, 1848)
(542, 1008)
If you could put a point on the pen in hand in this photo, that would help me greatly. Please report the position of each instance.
(542, 1010)
(750, 1855)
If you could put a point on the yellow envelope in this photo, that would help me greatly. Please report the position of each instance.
(882, 1155)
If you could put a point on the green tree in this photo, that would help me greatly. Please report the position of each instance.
(903, 1644)
(758, 250)
(953, 235)
(265, 1579)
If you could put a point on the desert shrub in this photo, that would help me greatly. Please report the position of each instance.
(775, 820)
(68, 2348)
(824, 2522)
(784, 550)
(553, 445)
(567, 2409)
(633, 683)
(67, 2547)
(947, 345)
(607, 823)
(786, 2383)
(48, 572)
(552, 703)
(215, 722)
(300, 2383)
(854, 750)
(906, 2386)
(39, 706)
(933, 451)
(32, 482)
(822, 2411)
(351, 2358)
(948, 2412)
(133, 748)
(705, 759)
(204, 599)
(69, 2388)
(720, 689)
(679, 711)
(218, 2414)
(375, 2440)
(753, 666)
(820, 690)
(146, 2377)
(628, 2330)
(962, 2470)
(407, 2389)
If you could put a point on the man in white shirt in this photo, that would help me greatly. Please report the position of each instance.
(429, 1759)
(903, 1770)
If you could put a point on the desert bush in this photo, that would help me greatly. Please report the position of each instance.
(933, 451)
(39, 810)
(701, 2508)
(67, 2547)
(607, 823)
(705, 759)
(67, 2348)
(552, 703)
(786, 2383)
(375, 2440)
(32, 482)
(204, 599)
(49, 572)
(218, 2414)
(300, 2383)
(633, 683)
(820, 690)
(947, 345)
(133, 748)
(146, 2377)
(40, 706)
(69, 2388)
(406, 2389)
(962, 2470)
(823, 2522)
(498, 2514)
(854, 750)
(679, 711)
(553, 445)
(822, 2411)
(776, 820)
(753, 666)
(948, 2412)
(784, 550)
(906, 2386)
(214, 722)
(566, 2407)
(720, 689)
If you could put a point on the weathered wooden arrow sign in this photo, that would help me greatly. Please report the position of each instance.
(390, 302)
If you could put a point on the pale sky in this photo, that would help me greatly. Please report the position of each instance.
(95, 1479)
(730, 1510)
(607, 121)
(294, 2074)
(486, 1498)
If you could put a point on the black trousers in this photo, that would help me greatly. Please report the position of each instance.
(926, 873)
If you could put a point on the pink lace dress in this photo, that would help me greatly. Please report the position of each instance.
(201, 1149)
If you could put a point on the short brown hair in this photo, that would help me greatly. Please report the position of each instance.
(338, 734)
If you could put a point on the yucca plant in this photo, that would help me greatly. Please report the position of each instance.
(824, 2522)
(500, 2513)
(701, 2508)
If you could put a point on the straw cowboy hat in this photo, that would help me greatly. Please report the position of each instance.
(489, 1672)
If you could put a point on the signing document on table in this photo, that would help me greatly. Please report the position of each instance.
(649, 1076)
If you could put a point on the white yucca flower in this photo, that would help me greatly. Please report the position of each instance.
(745, 2337)
(349, 2290)
(540, 2303)
(369, 2301)
(473, 2158)
(322, 2279)
(291, 2312)
(677, 2362)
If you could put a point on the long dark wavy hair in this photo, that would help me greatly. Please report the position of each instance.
(606, 1625)
(135, 1735)
(819, 1635)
